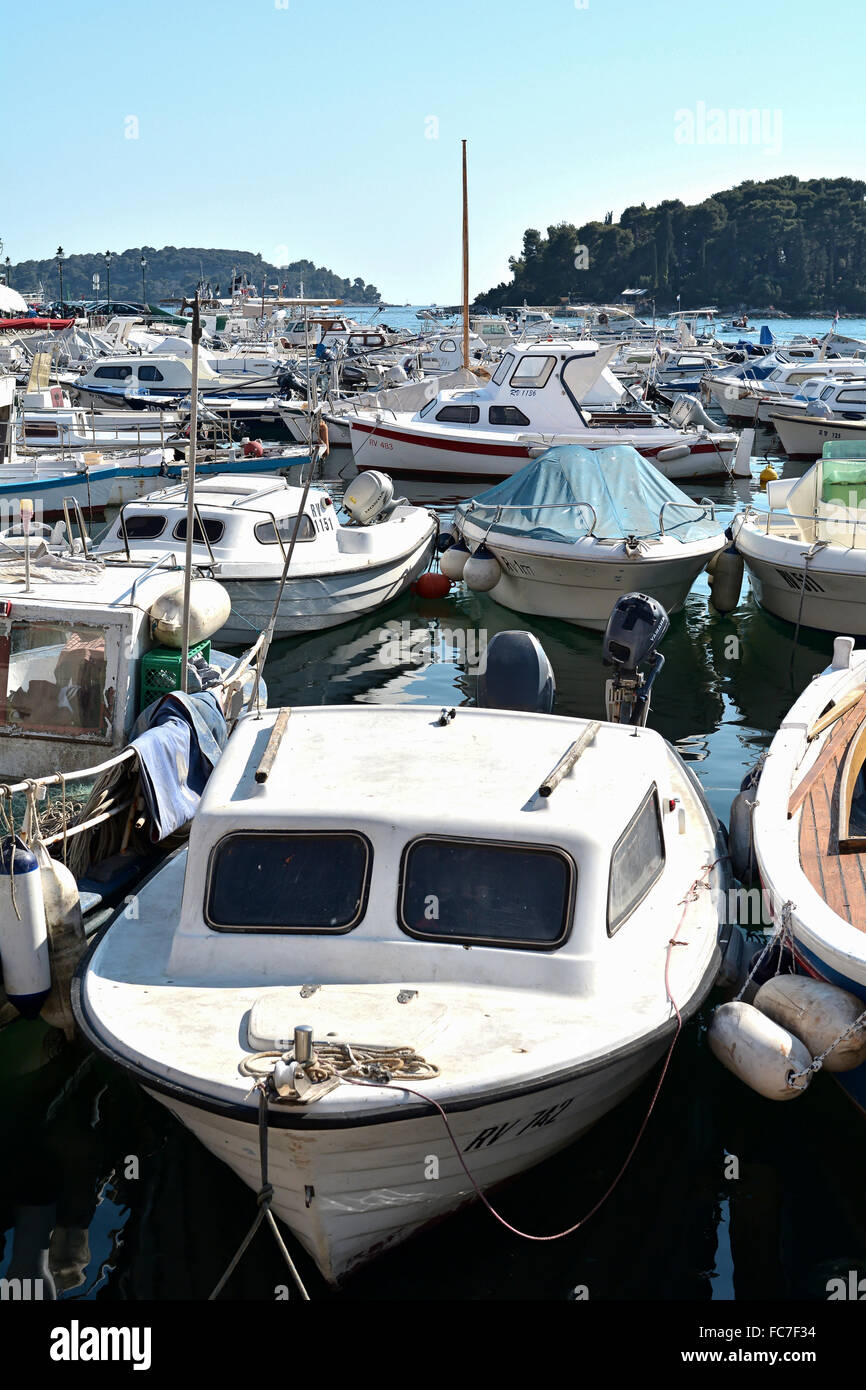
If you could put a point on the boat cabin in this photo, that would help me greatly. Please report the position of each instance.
(338, 859)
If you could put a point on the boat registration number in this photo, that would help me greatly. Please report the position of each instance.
(490, 1136)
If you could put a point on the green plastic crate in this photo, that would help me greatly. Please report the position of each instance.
(160, 671)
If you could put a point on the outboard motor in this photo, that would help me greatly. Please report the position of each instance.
(634, 629)
(368, 497)
(516, 675)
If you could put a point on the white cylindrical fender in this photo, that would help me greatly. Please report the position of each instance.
(673, 451)
(743, 455)
(816, 1012)
(209, 610)
(726, 580)
(66, 939)
(453, 560)
(23, 933)
(758, 1051)
(482, 571)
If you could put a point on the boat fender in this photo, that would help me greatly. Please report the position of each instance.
(454, 559)
(733, 958)
(674, 451)
(482, 571)
(740, 844)
(447, 537)
(817, 1012)
(209, 610)
(768, 475)
(66, 938)
(432, 585)
(758, 1051)
(726, 580)
(23, 932)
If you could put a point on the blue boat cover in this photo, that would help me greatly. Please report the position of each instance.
(766, 335)
(543, 500)
(178, 739)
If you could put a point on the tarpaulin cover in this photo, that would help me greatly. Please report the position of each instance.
(178, 739)
(627, 494)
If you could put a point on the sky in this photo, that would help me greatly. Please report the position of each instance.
(331, 129)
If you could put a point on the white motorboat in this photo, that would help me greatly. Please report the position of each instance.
(575, 530)
(745, 395)
(244, 529)
(503, 955)
(544, 394)
(808, 840)
(822, 411)
(155, 378)
(806, 554)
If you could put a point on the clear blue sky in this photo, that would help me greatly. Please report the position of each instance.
(300, 127)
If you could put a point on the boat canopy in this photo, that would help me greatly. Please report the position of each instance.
(554, 497)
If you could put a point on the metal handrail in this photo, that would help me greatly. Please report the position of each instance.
(85, 539)
(473, 505)
(698, 506)
(145, 574)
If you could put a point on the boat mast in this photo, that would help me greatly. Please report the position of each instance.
(465, 264)
(190, 491)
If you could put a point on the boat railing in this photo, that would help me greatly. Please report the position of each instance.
(79, 516)
(473, 505)
(145, 574)
(701, 506)
(830, 524)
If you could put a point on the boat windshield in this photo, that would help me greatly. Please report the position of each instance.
(494, 894)
(299, 881)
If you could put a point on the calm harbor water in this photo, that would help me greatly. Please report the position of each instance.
(712, 1206)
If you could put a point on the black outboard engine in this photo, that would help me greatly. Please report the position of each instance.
(516, 675)
(634, 629)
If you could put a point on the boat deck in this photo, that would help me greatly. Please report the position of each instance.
(839, 878)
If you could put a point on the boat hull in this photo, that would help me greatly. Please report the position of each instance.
(828, 598)
(349, 1194)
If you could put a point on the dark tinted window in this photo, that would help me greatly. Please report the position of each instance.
(286, 525)
(637, 861)
(506, 415)
(466, 890)
(459, 414)
(143, 528)
(113, 373)
(213, 530)
(272, 881)
(149, 373)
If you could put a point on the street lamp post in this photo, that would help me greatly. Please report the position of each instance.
(107, 258)
(143, 264)
(60, 268)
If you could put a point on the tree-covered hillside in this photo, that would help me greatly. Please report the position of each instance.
(173, 270)
(795, 245)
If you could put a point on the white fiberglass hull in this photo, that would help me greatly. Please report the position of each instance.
(804, 437)
(581, 583)
(406, 453)
(311, 603)
(730, 398)
(829, 594)
(350, 1193)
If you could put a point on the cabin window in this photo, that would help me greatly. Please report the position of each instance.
(150, 373)
(472, 891)
(300, 881)
(447, 345)
(459, 414)
(213, 530)
(506, 415)
(852, 397)
(113, 373)
(533, 372)
(503, 369)
(427, 408)
(265, 534)
(52, 680)
(638, 859)
(143, 528)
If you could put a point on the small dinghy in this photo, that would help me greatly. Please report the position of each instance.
(244, 528)
(808, 844)
(576, 529)
(806, 555)
(351, 951)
